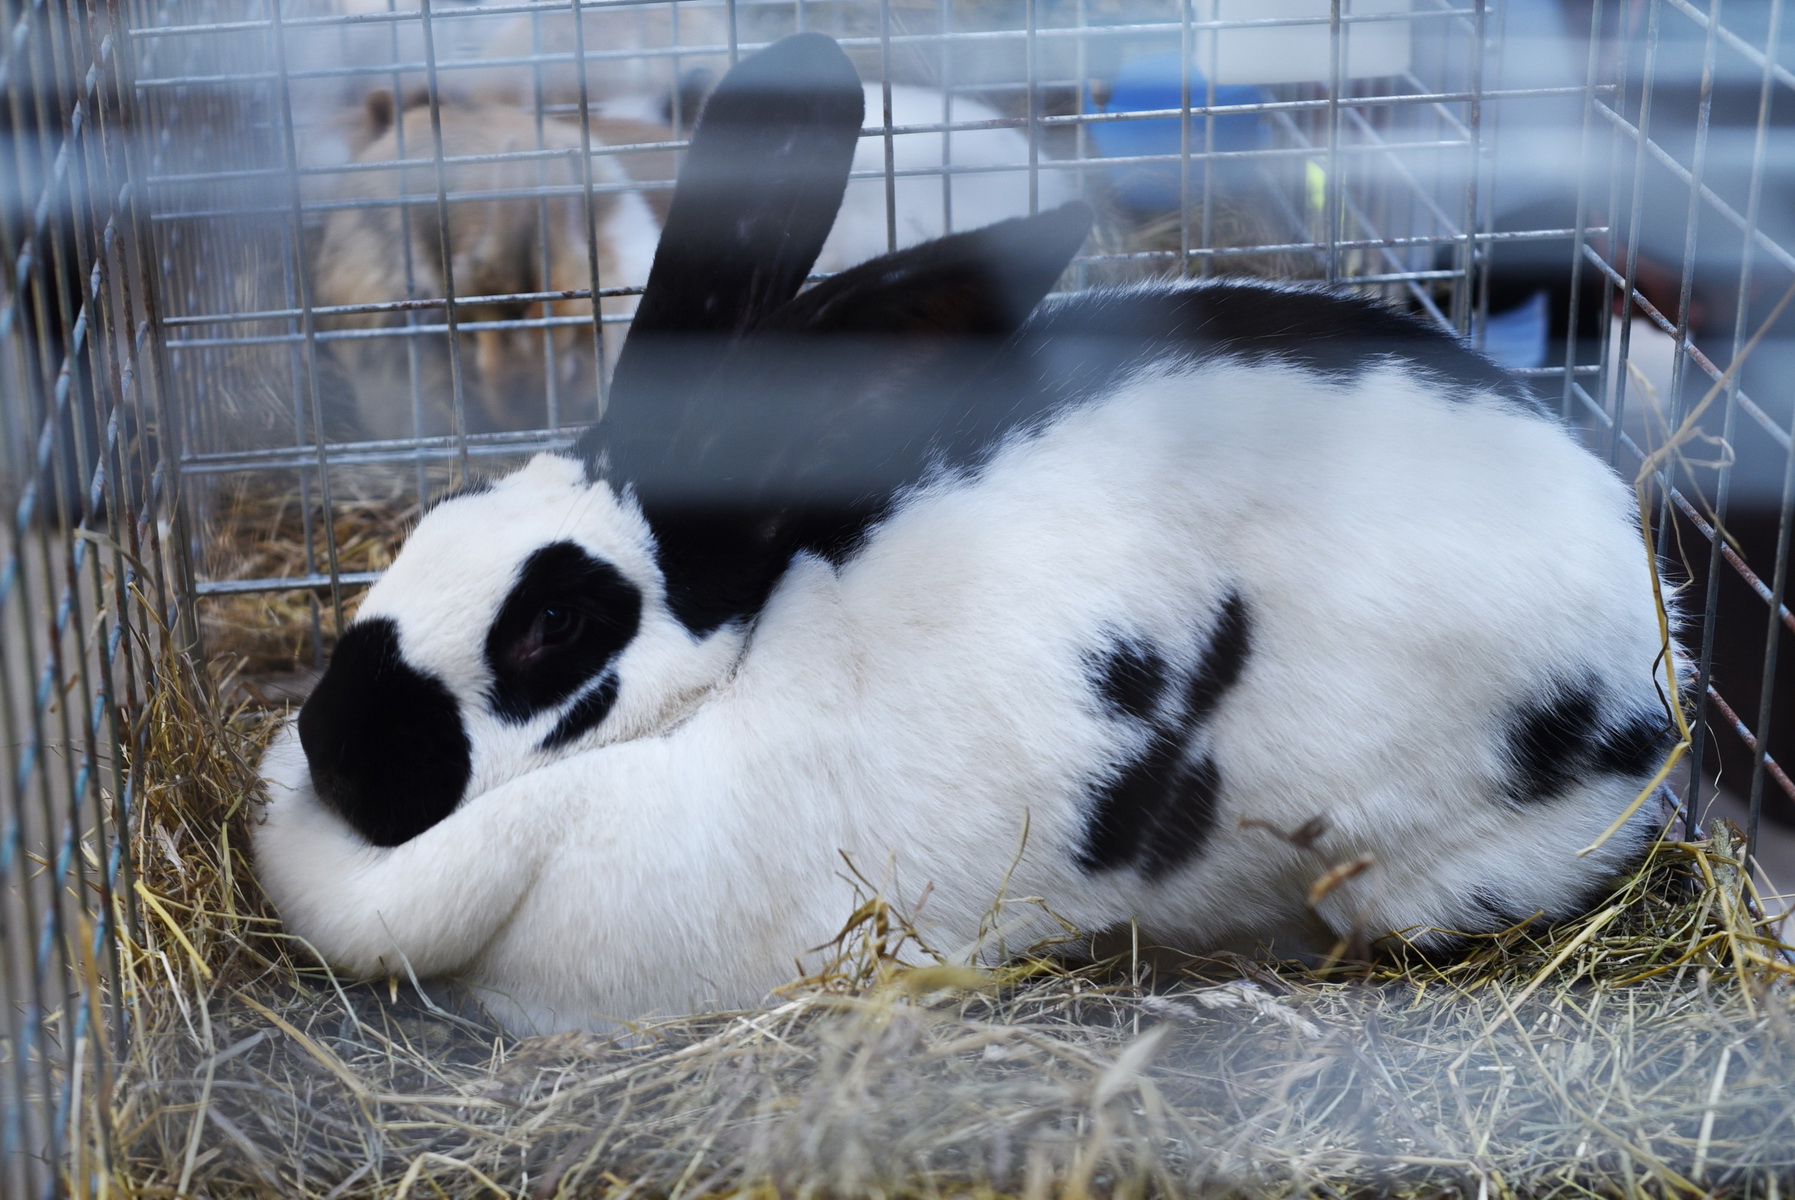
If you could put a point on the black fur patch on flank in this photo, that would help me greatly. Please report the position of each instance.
(1222, 665)
(1185, 820)
(1636, 745)
(1128, 806)
(1557, 740)
(1156, 812)
(567, 617)
(1548, 742)
(1130, 681)
(587, 714)
(384, 741)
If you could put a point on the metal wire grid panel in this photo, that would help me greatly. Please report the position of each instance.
(84, 599)
(303, 246)
(308, 296)
(1690, 199)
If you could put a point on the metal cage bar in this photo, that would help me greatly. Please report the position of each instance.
(175, 335)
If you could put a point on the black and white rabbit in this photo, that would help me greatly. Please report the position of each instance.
(1102, 601)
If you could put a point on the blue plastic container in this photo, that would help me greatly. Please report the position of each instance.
(1147, 84)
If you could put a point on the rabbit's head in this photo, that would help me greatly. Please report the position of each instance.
(501, 638)
(596, 597)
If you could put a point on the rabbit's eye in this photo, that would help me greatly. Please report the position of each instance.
(557, 625)
(568, 615)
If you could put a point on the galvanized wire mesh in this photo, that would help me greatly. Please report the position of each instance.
(1692, 165)
(85, 594)
(1382, 190)
(246, 328)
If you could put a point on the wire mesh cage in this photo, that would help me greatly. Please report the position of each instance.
(393, 282)
(277, 272)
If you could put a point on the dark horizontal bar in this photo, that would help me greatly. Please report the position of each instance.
(432, 448)
(239, 587)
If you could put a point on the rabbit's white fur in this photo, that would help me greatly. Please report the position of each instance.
(977, 198)
(1413, 561)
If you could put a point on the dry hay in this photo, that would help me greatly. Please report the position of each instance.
(261, 526)
(1646, 1048)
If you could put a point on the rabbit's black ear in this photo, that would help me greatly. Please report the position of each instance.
(758, 192)
(978, 284)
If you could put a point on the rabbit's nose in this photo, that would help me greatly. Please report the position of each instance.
(384, 740)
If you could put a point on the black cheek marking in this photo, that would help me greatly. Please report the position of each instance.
(565, 576)
(587, 714)
(384, 741)
(1156, 811)
(1548, 744)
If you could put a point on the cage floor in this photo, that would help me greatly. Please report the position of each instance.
(1643, 1049)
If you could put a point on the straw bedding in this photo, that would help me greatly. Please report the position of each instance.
(1645, 1049)
(256, 527)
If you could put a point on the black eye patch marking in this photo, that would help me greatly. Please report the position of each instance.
(384, 741)
(1155, 811)
(1561, 737)
(567, 617)
(587, 713)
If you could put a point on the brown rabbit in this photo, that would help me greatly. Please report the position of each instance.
(504, 240)
(637, 57)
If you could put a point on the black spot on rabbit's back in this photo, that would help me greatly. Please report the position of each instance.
(1561, 737)
(1130, 678)
(384, 741)
(1154, 810)
(567, 617)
